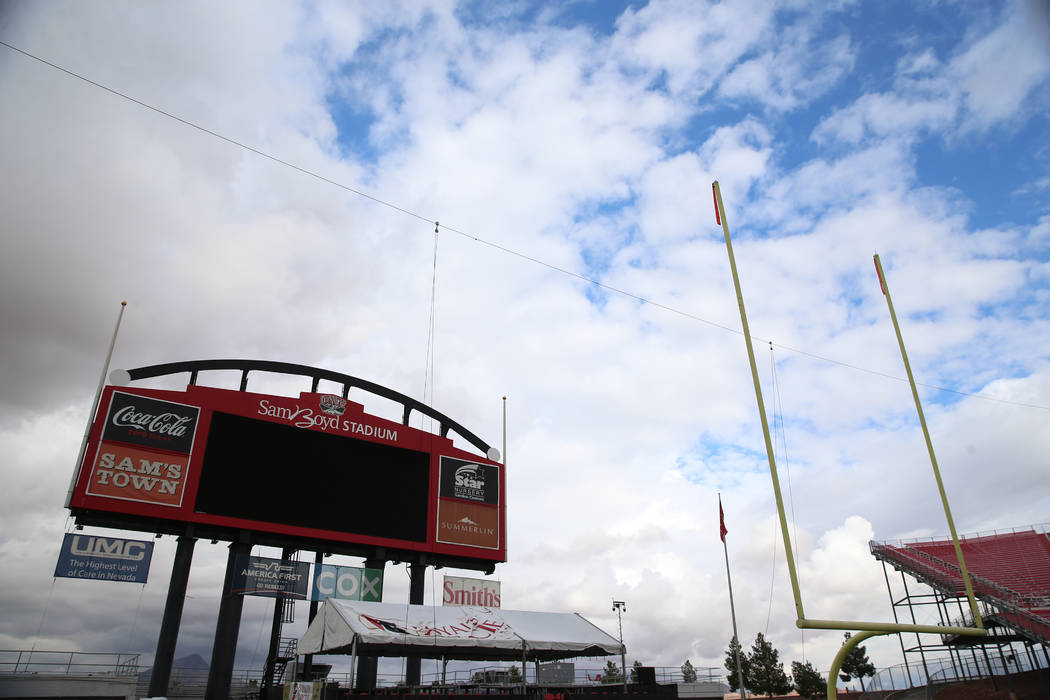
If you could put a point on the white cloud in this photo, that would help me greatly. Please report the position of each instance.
(991, 82)
(1003, 68)
(799, 69)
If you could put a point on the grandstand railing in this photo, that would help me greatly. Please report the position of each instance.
(67, 663)
(192, 682)
(1042, 529)
(944, 670)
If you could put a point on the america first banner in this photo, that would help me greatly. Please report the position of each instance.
(272, 578)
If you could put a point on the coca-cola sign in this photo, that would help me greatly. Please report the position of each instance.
(147, 422)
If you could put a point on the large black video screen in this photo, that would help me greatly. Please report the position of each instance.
(263, 471)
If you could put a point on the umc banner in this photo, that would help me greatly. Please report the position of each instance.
(273, 578)
(347, 583)
(104, 558)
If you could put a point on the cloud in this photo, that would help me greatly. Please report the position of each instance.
(965, 93)
(993, 96)
(801, 68)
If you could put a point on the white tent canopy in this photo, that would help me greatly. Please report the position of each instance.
(388, 629)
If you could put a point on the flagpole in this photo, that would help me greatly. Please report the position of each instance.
(732, 607)
(504, 456)
(94, 406)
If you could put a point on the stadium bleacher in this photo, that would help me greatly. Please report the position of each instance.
(1009, 571)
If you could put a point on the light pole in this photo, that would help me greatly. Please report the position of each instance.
(620, 607)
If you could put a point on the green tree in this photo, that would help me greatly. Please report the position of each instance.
(514, 677)
(807, 681)
(856, 665)
(634, 671)
(730, 664)
(612, 673)
(765, 671)
(688, 672)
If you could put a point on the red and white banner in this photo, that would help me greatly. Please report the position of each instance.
(458, 590)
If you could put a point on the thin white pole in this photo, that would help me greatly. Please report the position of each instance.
(732, 611)
(353, 664)
(506, 545)
(94, 406)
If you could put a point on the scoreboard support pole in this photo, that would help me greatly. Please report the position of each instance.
(275, 636)
(227, 628)
(308, 660)
(368, 666)
(416, 577)
(169, 626)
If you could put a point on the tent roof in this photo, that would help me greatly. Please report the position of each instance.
(467, 632)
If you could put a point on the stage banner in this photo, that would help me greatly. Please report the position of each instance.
(458, 590)
(347, 583)
(302, 691)
(104, 558)
(272, 578)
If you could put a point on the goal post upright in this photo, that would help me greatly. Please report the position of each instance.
(864, 630)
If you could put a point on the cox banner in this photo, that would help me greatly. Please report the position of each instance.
(273, 578)
(104, 558)
(347, 582)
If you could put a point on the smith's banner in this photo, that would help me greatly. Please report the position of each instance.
(104, 558)
(347, 582)
(273, 578)
(458, 590)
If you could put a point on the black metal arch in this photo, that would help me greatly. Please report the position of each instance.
(408, 404)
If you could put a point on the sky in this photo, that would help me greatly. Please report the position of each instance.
(264, 185)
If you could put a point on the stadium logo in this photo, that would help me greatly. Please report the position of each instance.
(333, 405)
(376, 623)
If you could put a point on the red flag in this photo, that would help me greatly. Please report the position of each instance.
(721, 520)
(714, 195)
(882, 284)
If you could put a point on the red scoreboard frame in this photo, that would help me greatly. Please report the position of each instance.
(315, 470)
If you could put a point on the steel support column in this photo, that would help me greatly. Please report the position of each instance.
(308, 660)
(227, 628)
(169, 626)
(416, 578)
(368, 666)
(900, 635)
(275, 637)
